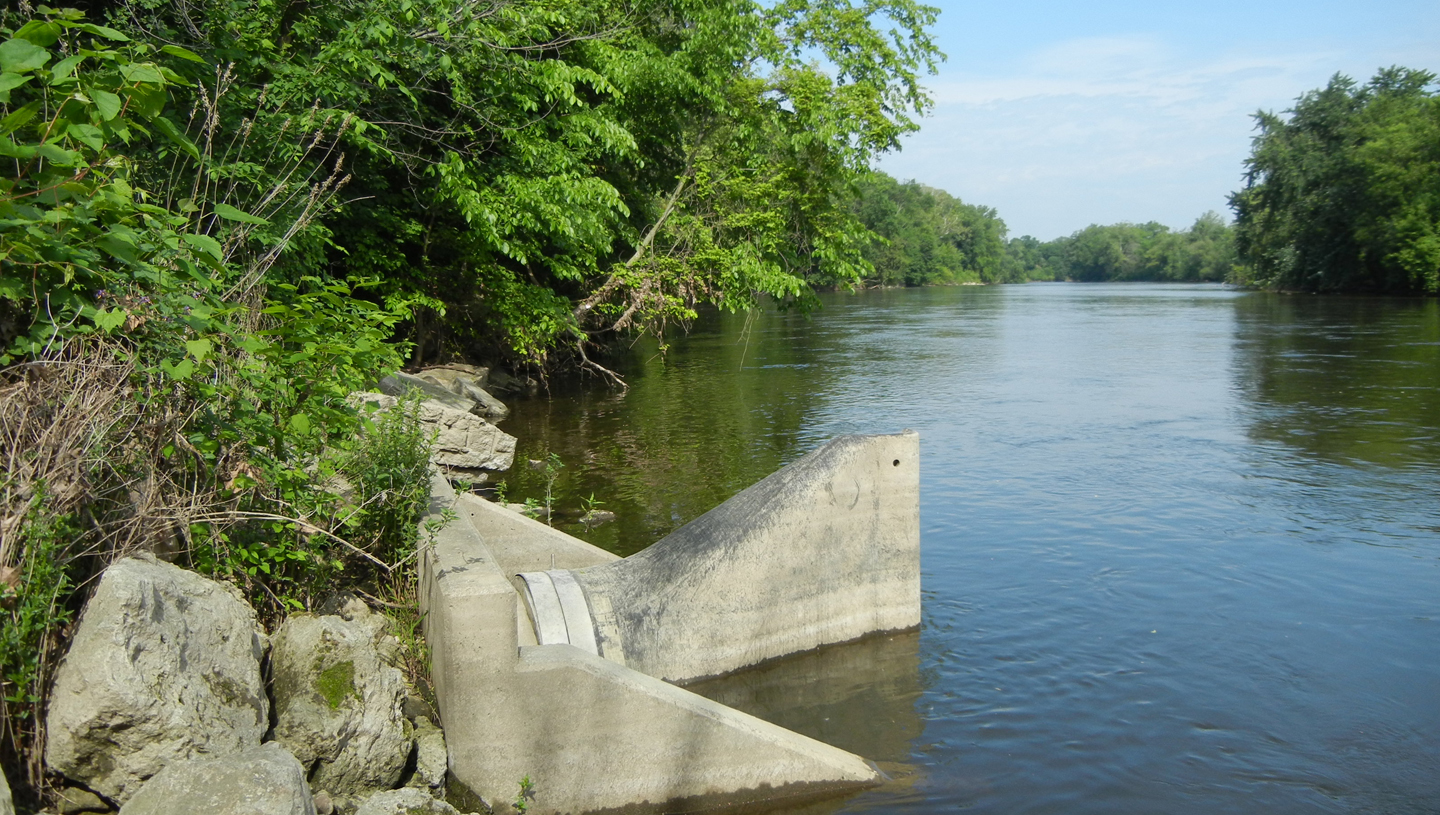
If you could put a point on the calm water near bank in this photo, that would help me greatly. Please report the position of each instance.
(1181, 544)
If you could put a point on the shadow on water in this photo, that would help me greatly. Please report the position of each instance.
(1342, 379)
(859, 696)
(716, 413)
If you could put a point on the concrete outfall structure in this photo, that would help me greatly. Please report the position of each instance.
(566, 686)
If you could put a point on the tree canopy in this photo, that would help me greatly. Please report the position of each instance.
(927, 236)
(534, 174)
(1344, 193)
(1203, 253)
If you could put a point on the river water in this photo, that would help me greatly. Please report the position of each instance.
(1180, 544)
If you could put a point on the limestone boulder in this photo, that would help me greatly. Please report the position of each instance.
(460, 381)
(401, 383)
(431, 759)
(339, 703)
(164, 665)
(501, 382)
(7, 806)
(263, 780)
(464, 442)
(407, 801)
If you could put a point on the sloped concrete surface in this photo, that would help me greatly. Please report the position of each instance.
(592, 734)
(825, 551)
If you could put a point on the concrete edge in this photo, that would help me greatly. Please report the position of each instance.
(549, 657)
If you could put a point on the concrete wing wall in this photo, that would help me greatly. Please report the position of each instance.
(592, 735)
(824, 551)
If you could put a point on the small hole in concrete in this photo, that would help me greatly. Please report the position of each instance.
(897, 463)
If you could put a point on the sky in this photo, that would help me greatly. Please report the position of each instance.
(1060, 115)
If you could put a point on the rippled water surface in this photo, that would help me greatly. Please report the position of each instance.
(1181, 545)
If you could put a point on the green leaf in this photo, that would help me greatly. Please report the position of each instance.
(147, 100)
(199, 349)
(107, 103)
(142, 72)
(9, 149)
(9, 82)
(22, 55)
(41, 32)
(300, 423)
(183, 53)
(178, 371)
(65, 67)
(206, 245)
(230, 213)
(88, 135)
(58, 155)
(173, 133)
(103, 31)
(111, 319)
(119, 246)
(19, 118)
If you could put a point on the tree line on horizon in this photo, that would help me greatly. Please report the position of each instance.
(929, 237)
(1343, 195)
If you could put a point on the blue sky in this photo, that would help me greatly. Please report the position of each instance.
(1061, 115)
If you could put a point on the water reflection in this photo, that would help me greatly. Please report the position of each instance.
(860, 697)
(718, 412)
(1342, 379)
(1180, 545)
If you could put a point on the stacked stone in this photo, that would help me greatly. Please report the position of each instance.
(160, 707)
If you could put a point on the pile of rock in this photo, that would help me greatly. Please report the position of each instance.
(458, 409)
(162, 706)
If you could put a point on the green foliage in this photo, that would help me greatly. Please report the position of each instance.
(539, 172)
(929, 236)
(525, 796)
(1203, 253)
(390, 473)
(1344, 194)
(72, 224)
(33, 596)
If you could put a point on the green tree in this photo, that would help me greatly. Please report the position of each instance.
(1344, 193)
(927, 236)
(549, 172)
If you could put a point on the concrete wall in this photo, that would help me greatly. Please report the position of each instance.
(824, 551)
(591, 733)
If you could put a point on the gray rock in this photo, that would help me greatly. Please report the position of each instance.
(407, 801)
(501, 382)
(431, 759)
(75, 799)
(400, 383)
(262, 780)
(464, 442)
(486, 406)
(417, 708)
(338, 703)
(165, 664)
(7, 806)
(595, 517)
(460, 382)
(479, 374)
(323, 804)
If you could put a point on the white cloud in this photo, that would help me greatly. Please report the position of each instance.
(1100, 130)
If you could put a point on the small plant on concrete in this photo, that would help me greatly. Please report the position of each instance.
(527, 793)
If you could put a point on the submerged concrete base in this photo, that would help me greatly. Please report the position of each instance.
(546, 687)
